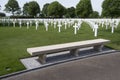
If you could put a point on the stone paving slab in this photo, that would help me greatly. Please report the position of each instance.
(33, 62)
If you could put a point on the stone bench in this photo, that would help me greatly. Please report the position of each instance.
(73, 47)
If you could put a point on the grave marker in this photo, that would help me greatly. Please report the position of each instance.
(75, 28)
(107, 24)
(95, 30)
(65, 25)
(30, 23)
(112, 26)
(46, 26)
(55, 24)
(59, 26)
(13, 23)
(36, 25)
(27, 24)
(20, 23)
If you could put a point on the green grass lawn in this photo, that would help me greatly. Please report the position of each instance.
(15, 41)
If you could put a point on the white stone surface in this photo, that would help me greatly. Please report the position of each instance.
(75, 28)
(32, 62)
(59, 26)
(53, 48)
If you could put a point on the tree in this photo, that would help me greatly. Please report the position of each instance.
(111, 8)
(25, 9)
(12, 6)
(2, 14)
(95, 14)
(84, 8)
(34, 8)
(55, 9)
(31, 9)
(70, 12)
(44, 10)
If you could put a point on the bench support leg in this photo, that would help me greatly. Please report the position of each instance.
(98, 47)
(74, 52)
(42, 58)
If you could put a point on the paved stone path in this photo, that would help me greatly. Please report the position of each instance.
(102, 67)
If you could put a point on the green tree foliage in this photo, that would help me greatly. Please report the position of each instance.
(84, 8)
(25, 9)
(95, 14)
(12, 6)
(44, 10)
(31, 9)
(34, 8)
(2, 14)
(111, 8)
(70, 12)
(55, 9)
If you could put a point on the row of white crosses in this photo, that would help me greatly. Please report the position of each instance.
(76, 23)
(29, 23)
(66, 23)
(58, 23)
(112, 23)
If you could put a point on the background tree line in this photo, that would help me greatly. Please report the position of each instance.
(110, 9)
(2, 14)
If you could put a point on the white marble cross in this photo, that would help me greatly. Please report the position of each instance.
(69, 24)
(30, 23)
(79, 25)
(112, 25)
(75, 28)
(51, 22)
(65, 25)
(107, 24)
(95, 30)
(59, 26)
(55, 24)
(20, 23)
(46, 26)
(27, 24)
(102, 23)
(36, 25)
(13, 23)
(116, 23)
